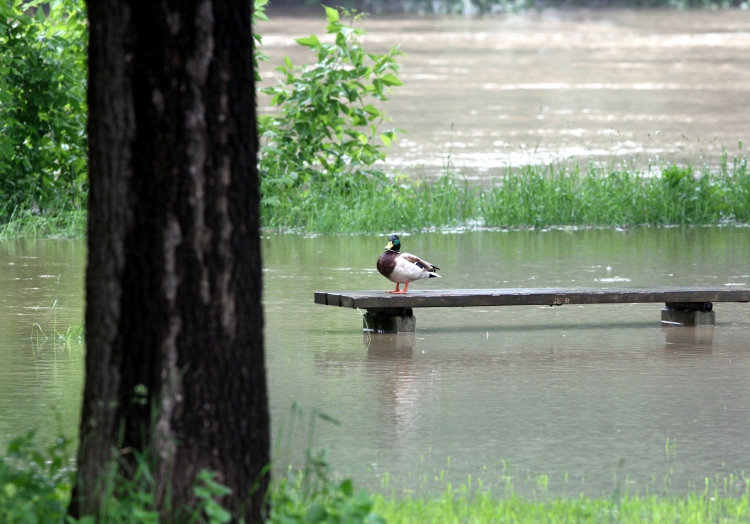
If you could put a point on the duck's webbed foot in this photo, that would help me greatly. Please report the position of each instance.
(406, 286)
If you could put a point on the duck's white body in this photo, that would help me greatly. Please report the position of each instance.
(403, 268)
(410, 267)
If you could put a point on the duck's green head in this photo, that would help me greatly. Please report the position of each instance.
(394, 243)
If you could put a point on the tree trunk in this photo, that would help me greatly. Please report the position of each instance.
(174, 363)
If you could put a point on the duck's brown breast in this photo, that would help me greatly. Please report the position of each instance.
(387, 263)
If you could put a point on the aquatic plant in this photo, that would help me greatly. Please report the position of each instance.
(73, 333)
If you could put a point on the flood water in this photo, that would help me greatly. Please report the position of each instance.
(610, 85)
(574, 398)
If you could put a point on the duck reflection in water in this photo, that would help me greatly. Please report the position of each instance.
(686, 341)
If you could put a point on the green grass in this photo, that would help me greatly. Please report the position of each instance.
(599, 197)
(25, 223)
(35, 487)
(530, 196)
(484, 507)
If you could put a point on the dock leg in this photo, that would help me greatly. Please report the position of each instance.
(390, 320)
(689, 314)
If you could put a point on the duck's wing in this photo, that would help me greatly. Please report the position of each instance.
(414, 259)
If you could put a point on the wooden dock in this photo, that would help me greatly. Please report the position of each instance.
(394, 313)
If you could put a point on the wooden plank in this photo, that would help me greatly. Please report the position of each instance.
(530, 297)
(333, 299)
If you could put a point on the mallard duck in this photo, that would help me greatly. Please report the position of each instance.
(403, 268)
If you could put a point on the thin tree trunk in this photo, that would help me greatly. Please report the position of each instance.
(174, 363)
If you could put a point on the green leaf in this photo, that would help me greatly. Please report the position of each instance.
(317, 513)
(371, 109)
(391, 80)
(332, 14)
(288, 61)
(217, 514)
(310, 41)
(346, 487)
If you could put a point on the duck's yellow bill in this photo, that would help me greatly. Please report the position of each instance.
(389, 246)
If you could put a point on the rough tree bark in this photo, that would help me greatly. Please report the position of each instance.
(174, 363)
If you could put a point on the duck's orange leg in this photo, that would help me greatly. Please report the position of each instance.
(406, 286)
(396, 290)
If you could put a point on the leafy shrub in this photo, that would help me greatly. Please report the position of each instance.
(35, 488)
(34, 485)
(43, 156)
(325, 130)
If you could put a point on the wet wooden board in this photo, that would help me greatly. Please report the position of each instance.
(529, 297)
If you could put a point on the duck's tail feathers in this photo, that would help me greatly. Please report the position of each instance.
(433, 275)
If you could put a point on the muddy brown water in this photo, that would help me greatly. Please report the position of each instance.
(609, 85)
(577, 398)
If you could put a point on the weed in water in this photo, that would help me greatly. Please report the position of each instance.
(72, 335)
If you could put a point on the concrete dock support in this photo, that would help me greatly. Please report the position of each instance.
(390, 320)
(689, 314)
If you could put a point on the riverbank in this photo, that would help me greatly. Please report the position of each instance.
(538, 196)
(32, 224)
(709, 506)
(531, 196)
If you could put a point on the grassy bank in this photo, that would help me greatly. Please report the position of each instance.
(34, 225)
(35, 487)
(485, 508)
(531, 196)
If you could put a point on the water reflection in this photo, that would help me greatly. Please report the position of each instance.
(390, 357)
(382, 347)
(688, 340)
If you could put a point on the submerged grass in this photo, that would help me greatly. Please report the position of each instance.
(530, 196)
